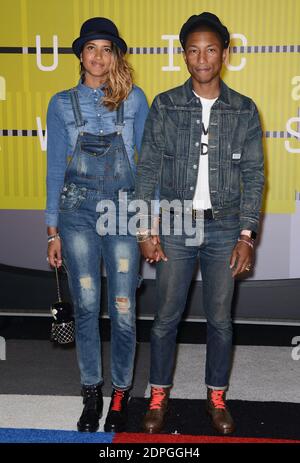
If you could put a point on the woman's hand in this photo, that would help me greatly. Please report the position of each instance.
(54, 248)
(54, 253)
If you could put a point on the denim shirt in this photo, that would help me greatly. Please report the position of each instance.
(171, 144)
(62, 133)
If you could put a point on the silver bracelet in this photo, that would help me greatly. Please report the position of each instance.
(143, 236)
(249, 243)
(144, 232)
(142, 239)
(53, 237)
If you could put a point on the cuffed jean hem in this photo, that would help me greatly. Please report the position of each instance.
(217, 388)
(161, 385)
(120, 388)
(94, 384)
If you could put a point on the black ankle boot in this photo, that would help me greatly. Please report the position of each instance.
(117, 414)
(92, 411)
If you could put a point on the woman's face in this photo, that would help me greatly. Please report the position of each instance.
(96, 57)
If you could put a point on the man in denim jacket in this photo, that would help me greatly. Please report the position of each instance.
(202, 145)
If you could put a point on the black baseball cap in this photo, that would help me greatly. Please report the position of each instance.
(208, 19)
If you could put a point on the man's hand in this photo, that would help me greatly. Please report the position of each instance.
(151, 250)
(241, 257)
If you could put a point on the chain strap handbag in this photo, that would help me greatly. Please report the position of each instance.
(63, 325)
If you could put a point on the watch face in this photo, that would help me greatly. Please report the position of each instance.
(253, 235)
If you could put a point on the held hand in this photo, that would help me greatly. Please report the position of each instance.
(54, 253)
(160, 255)
(151, 250)
(241, 258)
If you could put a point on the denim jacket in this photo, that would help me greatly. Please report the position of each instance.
(171, 145)
(62, 133)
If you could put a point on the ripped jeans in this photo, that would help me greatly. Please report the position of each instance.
(83, 250)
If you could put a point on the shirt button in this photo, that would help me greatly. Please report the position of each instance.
(65, 188)
(98, 115)
(198, 121)
(101, 131)
(191, 188)
(195, 166)
(197, 143)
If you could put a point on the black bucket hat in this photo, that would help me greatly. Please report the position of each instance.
(209, 19)
(98, 28)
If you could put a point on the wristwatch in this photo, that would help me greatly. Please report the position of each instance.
(250, 233)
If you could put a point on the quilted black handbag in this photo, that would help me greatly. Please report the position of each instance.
(63, 326)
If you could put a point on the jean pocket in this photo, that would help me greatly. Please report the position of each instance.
(229, 222)
(95, 148)
(71, 198)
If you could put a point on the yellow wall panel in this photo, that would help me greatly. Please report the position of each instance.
(270, 76)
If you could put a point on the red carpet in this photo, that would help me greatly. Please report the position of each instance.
(138, 438)
(256, 422)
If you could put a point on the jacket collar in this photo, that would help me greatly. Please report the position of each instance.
(191, 97)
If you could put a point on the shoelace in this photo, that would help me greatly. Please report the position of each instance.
(157, 396)
(217, 398)
(117, 401)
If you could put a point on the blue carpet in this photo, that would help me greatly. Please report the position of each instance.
(37, 436)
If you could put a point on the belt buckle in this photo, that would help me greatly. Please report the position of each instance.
(207, 214)
(194, 214)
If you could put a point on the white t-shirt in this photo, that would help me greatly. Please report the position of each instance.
(201, 198)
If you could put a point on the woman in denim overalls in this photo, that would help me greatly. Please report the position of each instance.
(95, 126)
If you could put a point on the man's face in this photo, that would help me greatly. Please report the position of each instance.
(204, 56)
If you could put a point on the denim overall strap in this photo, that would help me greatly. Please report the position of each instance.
(76, 108)
(120, 118)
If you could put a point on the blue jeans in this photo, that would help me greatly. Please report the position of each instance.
(173, 282)
(83, 250)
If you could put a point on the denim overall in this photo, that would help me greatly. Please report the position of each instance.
(98, 170)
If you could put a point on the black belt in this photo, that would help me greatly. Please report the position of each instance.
(208, 214)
